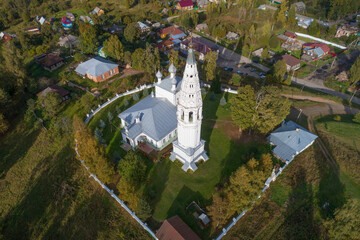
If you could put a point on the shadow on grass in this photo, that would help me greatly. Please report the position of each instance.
(299, 222)
(12, 149)
(178, 207)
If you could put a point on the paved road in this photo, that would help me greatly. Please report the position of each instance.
(229, 58)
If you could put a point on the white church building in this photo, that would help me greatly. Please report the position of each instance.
(171, 114)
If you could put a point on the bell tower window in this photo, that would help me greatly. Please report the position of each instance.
(191, 116)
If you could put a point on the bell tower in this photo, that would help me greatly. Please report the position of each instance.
(189, 147)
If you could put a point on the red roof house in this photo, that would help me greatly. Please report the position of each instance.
(323, 46)
(64, 94)
(164, 45)
(175, 229)
(5, 37)
(185, 5)
(290, 34)
(170, 30)
(292, 63)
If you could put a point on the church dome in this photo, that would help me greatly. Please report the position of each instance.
(172, 68)
(159, 74)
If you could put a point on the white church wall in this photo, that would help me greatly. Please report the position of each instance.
(162, 93)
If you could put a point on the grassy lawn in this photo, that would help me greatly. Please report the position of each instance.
(77, 13)
(345, 130)
(174, 189)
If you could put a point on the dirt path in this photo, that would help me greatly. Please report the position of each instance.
(329, 107)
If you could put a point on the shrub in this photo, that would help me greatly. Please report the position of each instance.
(337, 118)
(212, 96)
(136, 97)
(357, 118)
(102, 124)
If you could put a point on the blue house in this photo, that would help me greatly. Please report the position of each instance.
(289, 140)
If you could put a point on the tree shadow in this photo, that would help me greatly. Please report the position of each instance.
(299, 222)
(178, 207)
(47, 200)
(12, 149)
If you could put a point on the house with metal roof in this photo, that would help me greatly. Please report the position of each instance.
(143, 27)
(290, 139)
(97, 69)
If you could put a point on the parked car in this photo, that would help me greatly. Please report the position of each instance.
(228, 69)
(247, 66)
(262, 74)
(252, 70)
(240, 73)
(256, 61)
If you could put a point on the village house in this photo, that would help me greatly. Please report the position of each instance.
(300, 7)
(50, 61)
(201, 3)
(258, 52)
(174, 228)
(267, 7)
(232, 36)
(346, 30)
(290, 139)
(201, 47)
(66, 22)
(97, 69)
(70, 16)
(5, 36)
(143, 27)
(63, 93)
(342, 77)
(164, 45)
(202, 27)
(86, 19)
(185, 5)
(42, 20)
(114, 29)
(172, 32)
(292, 63)
(290, 34)
(314, 51)
(97, 11)
(68, 41)
(32, 30)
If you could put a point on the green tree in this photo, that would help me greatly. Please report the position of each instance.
(345, 224)
(138, 59)
(281, 17)
(91, 151)
(174, 58)
(13, 63)
(88, 38)
(132, 32)
(210, 65)
(314, 29)
(355, 71)
(127, 20)
(357, 118)
(236, 79)
(265, 53)
(25, 16)
(279, 71)
(243, 107)
(4, 124)
(114, 48)
(50, 102)
(78, 57)
(274, 42)
(291, 18)
(143, 210)
(127, 57)
(132, 168)
(271, 109)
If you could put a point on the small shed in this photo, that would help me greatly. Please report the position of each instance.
(290, 34)
(50, 61)
(204, 219)
(202, 27)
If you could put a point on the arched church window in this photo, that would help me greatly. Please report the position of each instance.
(191, 76)
(182, 115)
(191, 115)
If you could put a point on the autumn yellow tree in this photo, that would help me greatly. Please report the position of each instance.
(91, 151)
(218, 211)
(127, 193)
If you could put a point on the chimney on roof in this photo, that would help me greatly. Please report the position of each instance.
(298, 130)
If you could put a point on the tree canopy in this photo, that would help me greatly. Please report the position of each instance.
(88, 38)
(114, 48)
(132, 168)
(132, 32)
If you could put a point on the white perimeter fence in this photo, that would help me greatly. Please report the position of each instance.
(121, 202)
(111, 192)
(320, 40)
(138, 89)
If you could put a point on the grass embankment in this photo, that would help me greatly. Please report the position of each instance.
(46, 194)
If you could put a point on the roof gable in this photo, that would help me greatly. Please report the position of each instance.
(186, 3)
(175, 229)
(95, 67)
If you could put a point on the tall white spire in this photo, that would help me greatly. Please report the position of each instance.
(189, 147)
